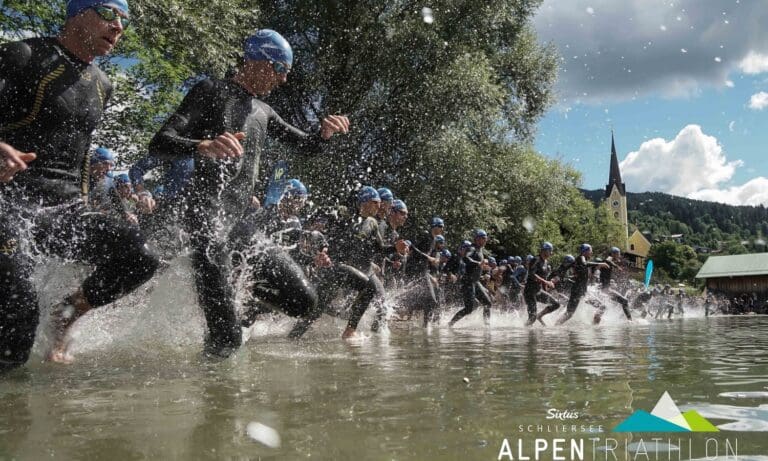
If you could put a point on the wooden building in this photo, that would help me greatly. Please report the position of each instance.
(736, 274)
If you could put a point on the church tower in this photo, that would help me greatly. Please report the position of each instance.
(616, 194)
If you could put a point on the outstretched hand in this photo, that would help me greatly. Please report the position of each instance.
(12, 161)
(224, 146)
(334, 124)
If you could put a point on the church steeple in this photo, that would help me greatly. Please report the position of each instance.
(615, 175)
(616, 194)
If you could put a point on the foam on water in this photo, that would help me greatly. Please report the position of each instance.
(163, 315)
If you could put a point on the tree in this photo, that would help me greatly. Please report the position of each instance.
(443, 111)
(677, 260)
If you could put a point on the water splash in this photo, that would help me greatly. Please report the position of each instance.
(529, 224)
(263, 434)
(426, 15)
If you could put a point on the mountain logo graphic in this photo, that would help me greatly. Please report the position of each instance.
(665, 417)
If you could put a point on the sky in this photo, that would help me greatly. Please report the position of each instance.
(683, 85)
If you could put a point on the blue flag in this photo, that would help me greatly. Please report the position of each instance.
(648, 273)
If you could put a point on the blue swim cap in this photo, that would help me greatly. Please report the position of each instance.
(75, 7)
(295, 188)
(547, 246)
(437, 222)
(518, 259)
(529, 258)
(398, 205)
(479, 233)
(268, 45)
(491, 260)
(439, 239)
(503, 262)
(408, 242)
(569, 259)
(615, 250)
(585, 247)
(122, 179)
(385, 194)
(445, 253)
(465, 244)
(102, 154)
(367, 194)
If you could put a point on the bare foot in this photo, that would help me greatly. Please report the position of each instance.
(60, 355)
(350, 333)
(62, 316)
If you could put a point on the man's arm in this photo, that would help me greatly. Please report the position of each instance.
(14, 59)
(309, 143)
(181, 135)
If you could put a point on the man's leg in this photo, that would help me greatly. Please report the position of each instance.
(468, 294)
(122, 261)
(19, 313)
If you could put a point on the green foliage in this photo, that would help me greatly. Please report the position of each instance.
(678, 261)
(714, 226)
(444, 112)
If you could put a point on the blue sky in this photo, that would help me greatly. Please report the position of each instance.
(683, 84)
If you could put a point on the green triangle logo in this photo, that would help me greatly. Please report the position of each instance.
(698, 423)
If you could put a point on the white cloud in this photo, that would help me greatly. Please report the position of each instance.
(754, 63)
(691, 162)
(701, 44)
(692, 165)
(753, 192)
(731, 125)
(758, 101)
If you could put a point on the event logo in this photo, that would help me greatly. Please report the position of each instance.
(665, 417)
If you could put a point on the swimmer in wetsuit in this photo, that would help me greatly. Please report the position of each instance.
(472, 289)
(53, 97)
(537, 284)
(223, 125)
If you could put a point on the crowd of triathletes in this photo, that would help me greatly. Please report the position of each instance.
(420, 271)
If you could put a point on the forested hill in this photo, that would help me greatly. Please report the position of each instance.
(702, 223)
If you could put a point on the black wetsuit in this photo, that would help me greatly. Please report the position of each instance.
(534, 292)
(221, 191)
(51, 103)
(641, 302)
(471, 287)
(605, 284)
(352, 249)
(581, 271)
(389, 274)
(421, 270)
(279, 281)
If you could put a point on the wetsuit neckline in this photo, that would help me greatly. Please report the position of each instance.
(66, 54)
(232, 83)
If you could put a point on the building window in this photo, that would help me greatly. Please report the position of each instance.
(615, 214)
(632, 247)
(615, 204)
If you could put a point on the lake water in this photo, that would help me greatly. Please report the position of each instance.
(140, 390)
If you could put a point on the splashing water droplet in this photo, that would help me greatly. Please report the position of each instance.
(529, 223)
(263, 434)
(426, 15)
